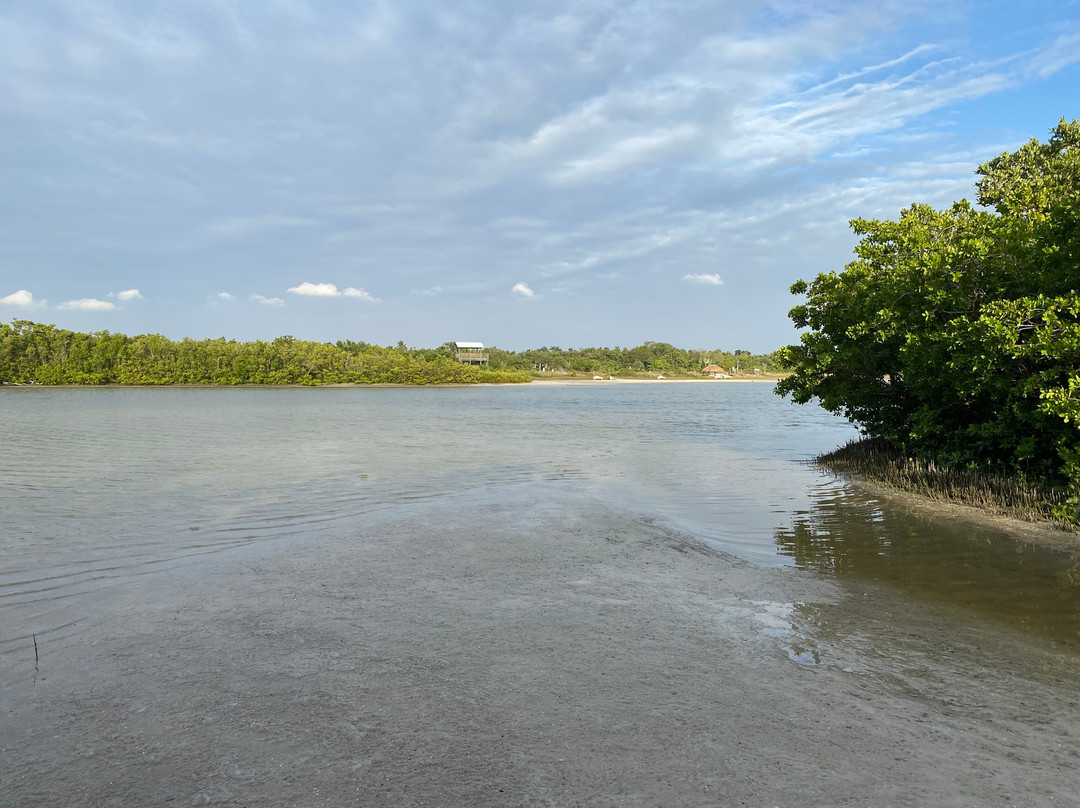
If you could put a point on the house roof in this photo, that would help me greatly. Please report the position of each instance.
(712, 369)
(478, 345)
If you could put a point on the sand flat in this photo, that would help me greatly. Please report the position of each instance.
(476, 651)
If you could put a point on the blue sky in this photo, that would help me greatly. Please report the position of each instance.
(522, 174)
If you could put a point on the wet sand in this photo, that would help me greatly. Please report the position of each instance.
(1042, 534)
(481, 652)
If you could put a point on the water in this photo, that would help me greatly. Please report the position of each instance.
(100, 488)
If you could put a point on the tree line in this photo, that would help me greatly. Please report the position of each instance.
(34, 353)
(649, 358)
(44, 354)
(955, 334)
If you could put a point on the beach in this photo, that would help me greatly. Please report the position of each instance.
(763, 379)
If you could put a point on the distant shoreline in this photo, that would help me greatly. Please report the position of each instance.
(617, 380)
(543, 382)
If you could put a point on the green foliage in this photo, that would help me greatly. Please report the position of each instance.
(43, 354)
(649, 358)
(955, 334)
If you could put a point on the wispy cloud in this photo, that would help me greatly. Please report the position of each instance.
(87, 304)
(329, 290)
(624, 154)
(252, 225)
(267, 301)
(153, 40)
(1065, 51)
(19, 298)
(568, 143)
(129, 294)
(704, 278)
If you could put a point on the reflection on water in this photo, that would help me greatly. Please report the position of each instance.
(785, 623)
(976, 568)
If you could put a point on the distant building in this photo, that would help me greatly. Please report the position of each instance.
(715, 371)
(470, 353)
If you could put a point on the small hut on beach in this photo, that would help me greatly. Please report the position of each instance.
(710, 370)
(470, 353)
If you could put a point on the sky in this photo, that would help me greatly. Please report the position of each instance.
(523, 174)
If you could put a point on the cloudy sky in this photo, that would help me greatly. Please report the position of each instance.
(564, 172)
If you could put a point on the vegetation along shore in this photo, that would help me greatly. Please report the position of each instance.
(34, 353)
(1010, 495)
(953, 341)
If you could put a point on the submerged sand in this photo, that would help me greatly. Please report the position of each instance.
(478, 652)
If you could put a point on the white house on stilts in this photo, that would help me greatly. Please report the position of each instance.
(470, 353)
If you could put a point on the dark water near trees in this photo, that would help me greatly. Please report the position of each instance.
(101, 488)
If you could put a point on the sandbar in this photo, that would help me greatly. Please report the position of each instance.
(524, 649)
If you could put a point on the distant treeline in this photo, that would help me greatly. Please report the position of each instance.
(44, 354)
(650, 358)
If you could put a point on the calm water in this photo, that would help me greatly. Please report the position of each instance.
(99, 487)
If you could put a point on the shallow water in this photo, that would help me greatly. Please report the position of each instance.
(101, 487)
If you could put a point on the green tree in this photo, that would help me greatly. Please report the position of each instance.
(955, 334)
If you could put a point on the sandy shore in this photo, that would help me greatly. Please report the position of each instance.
(554, 380)
(480, 652)
(617, 380)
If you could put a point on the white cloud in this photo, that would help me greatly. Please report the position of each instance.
(19, 298)
(704, 278)
(315, 289)
(268, 301)
(329, 290)
(224, 296)
(523, 290)
(351, 291)
(87, 304)
(129, 294)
